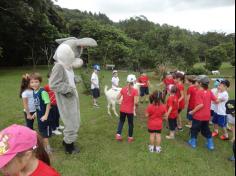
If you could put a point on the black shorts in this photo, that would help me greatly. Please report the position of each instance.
(144, 91)
(154, 131)
(95, 93)
(45, 129)
(172, 124)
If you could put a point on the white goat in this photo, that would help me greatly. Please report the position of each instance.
(112, 95)
(215, 72)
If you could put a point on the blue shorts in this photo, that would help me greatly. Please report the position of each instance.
(95, 93)
(144, 91)
(220, 120)
(189, 116)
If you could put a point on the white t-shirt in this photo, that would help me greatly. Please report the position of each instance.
(94, 81)
(213, 105)
(71, 77)
(30, 96)
(115, 82)
(220, 108)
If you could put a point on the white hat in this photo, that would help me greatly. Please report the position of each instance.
(114, 71)
(131, 78)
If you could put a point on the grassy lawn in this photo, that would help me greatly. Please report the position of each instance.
(101, 155)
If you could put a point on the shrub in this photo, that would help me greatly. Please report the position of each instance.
(197, 71)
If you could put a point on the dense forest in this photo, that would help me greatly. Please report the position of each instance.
(28, 29)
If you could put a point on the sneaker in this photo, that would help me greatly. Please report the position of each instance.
(118, 137)
(214, 134)
(158, 149)
(170, 137)
(61, 127)
(188, 126)
(224, 138)
(130, 139)
(151, 148)
(57, 132)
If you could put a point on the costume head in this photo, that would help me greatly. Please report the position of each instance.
(70, 49)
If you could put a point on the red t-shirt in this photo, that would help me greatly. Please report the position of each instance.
(143, 80)
(155, 118)
(168, 82)
(127, 105)
(44, 170)
(173, 102)
(51, 95)
(192, 90)
(180, 88)
(204, 97)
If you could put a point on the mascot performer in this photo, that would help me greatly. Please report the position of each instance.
(62, 82)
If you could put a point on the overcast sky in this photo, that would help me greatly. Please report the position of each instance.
(195, 15)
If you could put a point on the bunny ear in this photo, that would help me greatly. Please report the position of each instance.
(86, 42)
(60, 41)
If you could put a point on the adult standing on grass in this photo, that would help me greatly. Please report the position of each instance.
(95, 88)
(62, 82)
(129, 97)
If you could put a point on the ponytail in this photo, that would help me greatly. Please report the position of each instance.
(25, 81)
(41, 153)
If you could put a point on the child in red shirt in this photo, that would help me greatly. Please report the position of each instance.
(202, 114)
(179, 82)
(155, 113)
(54, 114)
(129, 97)
(22, 153)
(168, 81)
(172, 112)
(144, 88)
(190, 99)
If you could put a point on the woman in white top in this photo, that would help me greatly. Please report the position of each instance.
(26, 93)
(95, 85)
(115, 80)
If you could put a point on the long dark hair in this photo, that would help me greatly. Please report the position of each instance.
(25, 81)
(180, 76)
(41, 153)
(156, 98)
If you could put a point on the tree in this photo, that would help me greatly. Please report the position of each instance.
(215, 57)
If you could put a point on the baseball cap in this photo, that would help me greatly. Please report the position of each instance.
(15, 139)
(225, 82)
(97, 67)
(131, 78)
(204, 80)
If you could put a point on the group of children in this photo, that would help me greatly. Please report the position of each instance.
(40, 103)
(198, 100)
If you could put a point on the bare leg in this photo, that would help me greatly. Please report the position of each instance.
(152, 139)
(158, 139)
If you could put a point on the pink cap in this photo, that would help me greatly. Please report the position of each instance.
(15, 139)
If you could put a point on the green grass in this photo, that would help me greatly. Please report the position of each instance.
(101, 155)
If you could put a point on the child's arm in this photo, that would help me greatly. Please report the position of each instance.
(197, 108)
(169, 111)
(25, 105)
(187, 99)
(182, 96)
(47, 102)
(45, 117)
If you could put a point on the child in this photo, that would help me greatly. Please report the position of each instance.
(42, 103)
(22, 153)
(129, 97)
(172, 112)
(179, 81)
(155, 113)
(115, 80)
(144, 88)
(230, 111)
(202, 114)
(95, 85)
(220, 118)
(54, 115)
(168, 81)
(215, 92)
(26, 93)
(191, 94)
